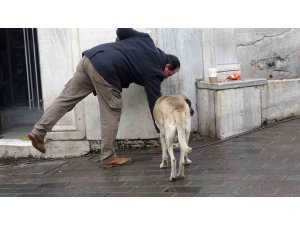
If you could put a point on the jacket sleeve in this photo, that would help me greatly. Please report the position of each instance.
(152, 88)
(123, 33)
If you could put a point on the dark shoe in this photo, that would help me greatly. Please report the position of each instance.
(117, 161)
(37, 142)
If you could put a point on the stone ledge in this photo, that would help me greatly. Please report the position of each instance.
(54, 149)
(229, 108)
(231, 84)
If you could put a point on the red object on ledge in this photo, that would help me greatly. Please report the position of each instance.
(235, 76)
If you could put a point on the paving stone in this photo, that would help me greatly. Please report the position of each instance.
(206, 182)
(9, 194)
(116, 189)
(142, 194)
(127, 173)
(181, 189)
(256, 189)
(265, 177)
(226, 195)
(264, 163)
(168, 183)
(148, 189)
(246, 139)
(293, 177)
(138, 178)
(192, 195)
(18, 186)
(227, 176)
(64, 195)
(54, 185)
(98, 184)
(92, 195)
(19, 190)
(217, 189)
(141, 183)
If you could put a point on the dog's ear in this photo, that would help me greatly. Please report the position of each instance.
(191, 111)
(188, 102)
(190, 105)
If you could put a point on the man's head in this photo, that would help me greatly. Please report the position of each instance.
(172, 66)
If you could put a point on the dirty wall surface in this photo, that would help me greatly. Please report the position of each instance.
(269, 53)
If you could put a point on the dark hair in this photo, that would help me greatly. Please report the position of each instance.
(173, 61)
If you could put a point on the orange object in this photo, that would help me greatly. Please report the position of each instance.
(235, 76)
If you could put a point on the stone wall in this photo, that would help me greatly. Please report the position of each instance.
(269, 53)
(273, 54)
(136, 121)
(280, 100)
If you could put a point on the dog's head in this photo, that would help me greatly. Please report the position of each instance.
(190, 105)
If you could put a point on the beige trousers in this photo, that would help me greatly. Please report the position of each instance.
(86, 80)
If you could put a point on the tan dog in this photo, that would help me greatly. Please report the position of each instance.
(172, 114)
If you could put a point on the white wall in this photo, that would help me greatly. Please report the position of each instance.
(271, 53)
(186, 44)
(136, 121)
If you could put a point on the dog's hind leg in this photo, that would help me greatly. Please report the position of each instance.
(164, 162)
(181, 165)
(187, 161)
(180, 123)
(169, 137)
(173, 162)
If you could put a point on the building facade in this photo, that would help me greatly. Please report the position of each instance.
(50, 58)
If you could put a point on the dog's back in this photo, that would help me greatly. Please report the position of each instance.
(171, 114)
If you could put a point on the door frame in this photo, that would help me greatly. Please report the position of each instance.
(59, 55)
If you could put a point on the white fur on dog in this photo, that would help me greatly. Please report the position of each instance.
(172, 116)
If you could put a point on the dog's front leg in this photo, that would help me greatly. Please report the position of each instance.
(164, 162)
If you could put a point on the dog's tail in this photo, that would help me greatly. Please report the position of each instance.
(180, 118)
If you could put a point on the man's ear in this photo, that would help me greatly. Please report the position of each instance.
(168, 66)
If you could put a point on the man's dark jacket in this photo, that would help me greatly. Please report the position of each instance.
(133, 58)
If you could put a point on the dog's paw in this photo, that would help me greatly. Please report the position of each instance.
(172, 179)
(179, 177)
(163, 165)
(187, 161)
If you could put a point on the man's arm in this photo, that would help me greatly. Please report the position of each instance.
(123, 33)
(153, 92)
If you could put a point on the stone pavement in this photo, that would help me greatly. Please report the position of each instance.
(262, 163)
